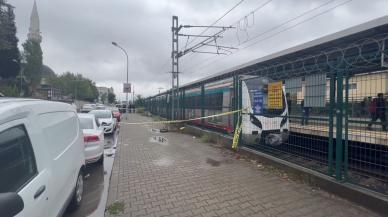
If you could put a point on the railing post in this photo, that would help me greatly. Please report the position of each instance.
(202, 103)
(183, 103)
(234, 100)
(339, 125)
(346, 127)
(331, 122)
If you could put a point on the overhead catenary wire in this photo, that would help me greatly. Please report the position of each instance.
(215, 22)
(280, 25)
(201, 66)
(288, 21)
(236, 22)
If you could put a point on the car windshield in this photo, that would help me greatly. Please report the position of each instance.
(101, 113)
(86, 123)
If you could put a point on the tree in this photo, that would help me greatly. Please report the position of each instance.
(75, 85)
(104, 97)
(139, 102)
(33, 56)
(9, 52)
(111, 97)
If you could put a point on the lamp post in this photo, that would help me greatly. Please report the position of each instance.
(126, 54)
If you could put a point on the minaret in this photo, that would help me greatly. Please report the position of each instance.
(34, 31)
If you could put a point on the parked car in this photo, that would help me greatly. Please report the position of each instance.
(121, 107)
(116, 114)
(42, 160)
(100, 106)
(87, 108)
(105, 119)
(93, 138)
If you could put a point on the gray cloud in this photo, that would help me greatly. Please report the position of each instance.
(77, 34)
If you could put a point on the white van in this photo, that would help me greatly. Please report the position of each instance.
(41, 158)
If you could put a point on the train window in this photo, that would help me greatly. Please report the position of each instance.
(257, 85)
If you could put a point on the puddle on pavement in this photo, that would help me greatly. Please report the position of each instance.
(159, 139)
(161, 130)
(216, 163)
(212, 162)
(163, 162)
(155, 130)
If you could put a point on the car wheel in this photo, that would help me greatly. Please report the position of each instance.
(78, 192)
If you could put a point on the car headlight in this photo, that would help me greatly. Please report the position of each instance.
(256, 122)
(284, 121)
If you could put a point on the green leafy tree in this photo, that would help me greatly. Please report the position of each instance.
(104, 98)
(9, 89)
(33, 57)
(139, 102)
(75, 85)
(111, 97)
(9, 52)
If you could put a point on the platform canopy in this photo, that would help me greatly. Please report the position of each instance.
(358, 49)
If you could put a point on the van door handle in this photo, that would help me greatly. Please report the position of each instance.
(39, 191)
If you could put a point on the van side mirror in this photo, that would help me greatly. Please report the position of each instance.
(10, 204)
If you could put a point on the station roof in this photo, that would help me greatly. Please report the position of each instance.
(348, 36)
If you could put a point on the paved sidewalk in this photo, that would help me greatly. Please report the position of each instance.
(185, 177)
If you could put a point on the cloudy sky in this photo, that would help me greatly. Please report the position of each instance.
(77, 34)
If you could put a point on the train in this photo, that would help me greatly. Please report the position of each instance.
(260, 124)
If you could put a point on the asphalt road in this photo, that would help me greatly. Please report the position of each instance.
(96, 183)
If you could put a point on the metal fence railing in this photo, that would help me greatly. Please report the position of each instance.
(333, 109)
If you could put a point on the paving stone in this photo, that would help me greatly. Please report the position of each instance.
(176, 179)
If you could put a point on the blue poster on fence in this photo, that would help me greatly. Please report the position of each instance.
(258, 102)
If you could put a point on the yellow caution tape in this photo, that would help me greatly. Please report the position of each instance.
(181, 121)
(237, 134)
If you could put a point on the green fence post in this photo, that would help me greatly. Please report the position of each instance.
(168, 107)
(202, 103)
(239, 104)
(331, 122)
(339, 120)
(183, 104)
(346, 127)
(234, 101)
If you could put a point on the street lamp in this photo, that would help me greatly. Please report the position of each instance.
(126, 54)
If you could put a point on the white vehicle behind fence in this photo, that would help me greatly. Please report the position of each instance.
(93, 138)
(41, 158)
(261, 123)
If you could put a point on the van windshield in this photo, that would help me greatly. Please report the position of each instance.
(86, 123)
(258, 94)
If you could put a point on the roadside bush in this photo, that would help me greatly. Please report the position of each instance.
(9, 90)
(140, 110)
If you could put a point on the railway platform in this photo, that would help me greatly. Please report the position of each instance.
(173, 174)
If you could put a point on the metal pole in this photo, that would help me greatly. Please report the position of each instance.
(127, 70)
(331, 123)
(174, 65)
(346, 145)
(126, 54)
(21, 81)
(339, 123)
